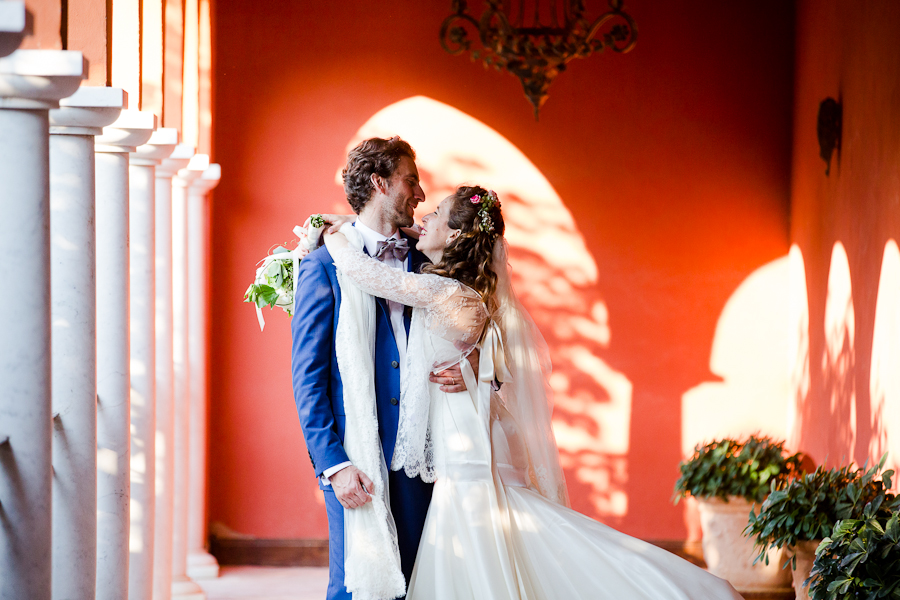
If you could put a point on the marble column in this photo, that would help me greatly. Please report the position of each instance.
(201, 564)
(13, 22)
(31, 83)
(133, 128)
(142, 271)
(165, 413)
(74, 348)
(183, 587)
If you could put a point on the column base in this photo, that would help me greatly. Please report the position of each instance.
(202, 565)
(184, 588)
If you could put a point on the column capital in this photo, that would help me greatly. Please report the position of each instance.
(38, 79)
(88, 111)
(13, 26)
(207, 181)
(176, 161)
(194, 170)
(158, 147)
(133, 128)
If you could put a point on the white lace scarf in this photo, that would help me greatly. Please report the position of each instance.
(371, 555)
(414, 449)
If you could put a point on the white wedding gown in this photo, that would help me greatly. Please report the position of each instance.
(489, 533)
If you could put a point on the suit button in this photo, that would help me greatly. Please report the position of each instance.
(394, 401)
(395, 364)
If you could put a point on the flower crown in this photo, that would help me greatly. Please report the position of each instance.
(486, 203)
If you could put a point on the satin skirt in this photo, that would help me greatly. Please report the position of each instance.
(488, 536)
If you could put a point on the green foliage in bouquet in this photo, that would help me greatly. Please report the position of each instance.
(728, 467)
(861, 558)
(807, 508)
(274, 284)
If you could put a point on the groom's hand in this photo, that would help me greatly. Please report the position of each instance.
(451, 378)
(351, 486)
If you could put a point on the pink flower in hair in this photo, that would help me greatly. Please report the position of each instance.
(475, 199)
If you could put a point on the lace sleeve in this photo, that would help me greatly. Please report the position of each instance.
(378, 279)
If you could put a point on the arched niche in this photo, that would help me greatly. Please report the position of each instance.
(884, 379)
(839, 359)
(750, 353)
(555, 276)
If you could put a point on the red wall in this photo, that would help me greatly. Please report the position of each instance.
(849, 51)
(674, 161)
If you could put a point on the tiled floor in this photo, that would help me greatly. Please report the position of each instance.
(267, 583)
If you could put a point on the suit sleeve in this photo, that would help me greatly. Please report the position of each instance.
(311, 355)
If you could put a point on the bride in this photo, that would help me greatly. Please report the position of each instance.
(498, 526)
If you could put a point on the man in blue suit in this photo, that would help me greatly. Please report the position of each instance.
(382, 186)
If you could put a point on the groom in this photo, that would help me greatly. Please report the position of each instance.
(382, 186)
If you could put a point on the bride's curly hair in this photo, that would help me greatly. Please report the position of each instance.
(468, 258)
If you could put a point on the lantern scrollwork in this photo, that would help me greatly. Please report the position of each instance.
(535, 47)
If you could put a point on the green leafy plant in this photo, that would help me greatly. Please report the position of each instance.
(807, 508)
(274, 283)
(861, 557)
(729, 467)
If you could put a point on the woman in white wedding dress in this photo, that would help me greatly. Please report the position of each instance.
(498, 526)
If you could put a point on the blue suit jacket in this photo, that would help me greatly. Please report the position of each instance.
(319, 395)
(318, 390)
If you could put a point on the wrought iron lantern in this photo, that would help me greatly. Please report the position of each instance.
(535, 47)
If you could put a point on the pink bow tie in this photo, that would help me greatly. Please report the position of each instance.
(392, 247)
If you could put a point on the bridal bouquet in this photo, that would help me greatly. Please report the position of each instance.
(274, 284)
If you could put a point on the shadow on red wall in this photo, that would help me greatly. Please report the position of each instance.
(668, 171)
(846, 225)
(554, 275)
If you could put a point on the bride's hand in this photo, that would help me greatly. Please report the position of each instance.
(335, 221)
(335, 241)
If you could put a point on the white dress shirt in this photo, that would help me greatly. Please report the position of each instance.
(371, 239)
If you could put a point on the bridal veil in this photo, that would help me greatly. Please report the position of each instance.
(527, 396)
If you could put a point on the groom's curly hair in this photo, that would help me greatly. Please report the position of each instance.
(373, 156)
(468, 258)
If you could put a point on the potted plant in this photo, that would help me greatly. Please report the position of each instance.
(727, 477)
(861, 558)
(799, 513)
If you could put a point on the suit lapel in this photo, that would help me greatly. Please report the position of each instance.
(382, 303)
(413, 265)
(416, 258)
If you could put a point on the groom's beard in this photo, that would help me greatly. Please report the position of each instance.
(404, 220)
(401, 213)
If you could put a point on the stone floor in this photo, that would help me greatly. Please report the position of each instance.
(267, 583)
(308, 583)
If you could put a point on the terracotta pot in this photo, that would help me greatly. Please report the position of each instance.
(729, 555)
(805, 552)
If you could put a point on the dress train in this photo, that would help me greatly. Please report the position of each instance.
(489, 537)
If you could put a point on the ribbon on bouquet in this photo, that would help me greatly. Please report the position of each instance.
(305, 243)
(309, 239)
